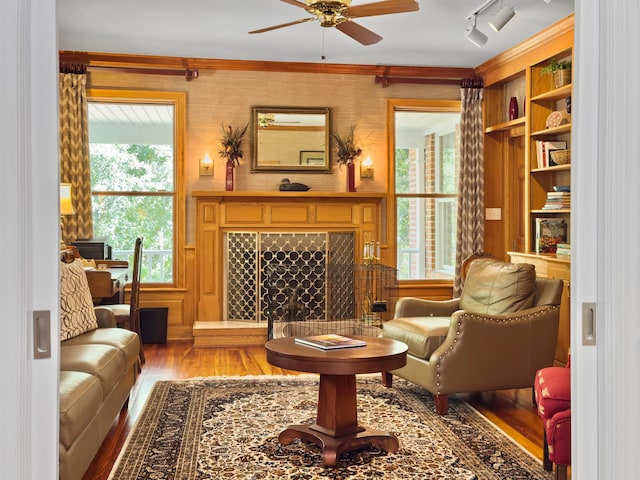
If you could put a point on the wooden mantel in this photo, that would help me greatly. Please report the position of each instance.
(293, 196)
(218, 212)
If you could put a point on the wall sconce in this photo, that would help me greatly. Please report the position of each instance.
(206, 166)
(366, 168)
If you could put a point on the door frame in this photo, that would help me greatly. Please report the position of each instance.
(30, 240)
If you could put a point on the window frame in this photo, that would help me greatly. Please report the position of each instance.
(179, 101)
(408, 105)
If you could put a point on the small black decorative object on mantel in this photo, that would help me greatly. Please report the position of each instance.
(287, 186)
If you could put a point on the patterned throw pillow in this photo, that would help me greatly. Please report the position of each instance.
(76, 307)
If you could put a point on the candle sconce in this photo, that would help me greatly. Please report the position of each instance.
(206, 166)
(366, 168)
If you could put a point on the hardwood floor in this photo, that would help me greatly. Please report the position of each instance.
(510, 410)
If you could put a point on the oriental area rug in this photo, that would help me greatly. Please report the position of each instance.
(228, 427)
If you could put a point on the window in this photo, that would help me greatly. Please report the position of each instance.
(425, 179)
(133, 149)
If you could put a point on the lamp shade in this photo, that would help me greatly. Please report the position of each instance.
(66, 206)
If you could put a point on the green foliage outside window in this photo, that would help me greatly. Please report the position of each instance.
(146, 170)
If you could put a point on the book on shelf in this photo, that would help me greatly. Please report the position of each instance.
(542, 151)
(556, 200)
(549, 232)
(330, 341)
(563, 249)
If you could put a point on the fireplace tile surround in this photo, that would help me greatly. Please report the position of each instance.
(360, 215)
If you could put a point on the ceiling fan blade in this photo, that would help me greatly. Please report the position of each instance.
(288, 24)
(359, 33)
(381, 8)
(295, 3)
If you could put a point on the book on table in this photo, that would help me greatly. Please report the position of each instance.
(330, 341)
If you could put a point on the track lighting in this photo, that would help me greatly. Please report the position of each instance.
(474, 35)
(501, 18)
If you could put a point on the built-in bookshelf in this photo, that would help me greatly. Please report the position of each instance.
(549, 122)
(523, 186)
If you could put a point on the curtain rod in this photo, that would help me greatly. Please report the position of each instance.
(188, 73)
(475, 82)
(385, 81)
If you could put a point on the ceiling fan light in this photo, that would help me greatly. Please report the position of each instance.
(501, 18)
(346, 3)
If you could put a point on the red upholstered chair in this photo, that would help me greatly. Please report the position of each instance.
(552, 388)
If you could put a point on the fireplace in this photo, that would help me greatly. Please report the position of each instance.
(354, 218)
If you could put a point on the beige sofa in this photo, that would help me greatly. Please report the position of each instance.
(98, 367)
(97, 371)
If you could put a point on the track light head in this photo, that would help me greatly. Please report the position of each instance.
(501, 18)
(474, 35)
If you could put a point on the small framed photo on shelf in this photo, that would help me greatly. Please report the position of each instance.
(312, 157)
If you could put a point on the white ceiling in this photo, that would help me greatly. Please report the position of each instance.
(217, 29)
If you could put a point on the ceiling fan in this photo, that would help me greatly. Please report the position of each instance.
(339, 14)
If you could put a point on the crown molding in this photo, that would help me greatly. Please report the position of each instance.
(124, 61)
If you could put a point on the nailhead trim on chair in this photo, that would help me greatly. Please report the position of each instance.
(471, 315)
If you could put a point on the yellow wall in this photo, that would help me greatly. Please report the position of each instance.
(226, 96)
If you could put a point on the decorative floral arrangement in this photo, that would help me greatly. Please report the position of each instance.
(346, 149)
(231, 144)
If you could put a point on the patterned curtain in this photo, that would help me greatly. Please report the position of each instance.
(74, 151)
(470, 231)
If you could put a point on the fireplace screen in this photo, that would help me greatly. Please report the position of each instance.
(304, 283)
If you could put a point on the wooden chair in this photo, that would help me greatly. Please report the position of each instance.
(128, 315)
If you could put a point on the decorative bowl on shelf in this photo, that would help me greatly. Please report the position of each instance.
(560, 157)
(557, 118)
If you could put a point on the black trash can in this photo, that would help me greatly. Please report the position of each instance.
(153, 324)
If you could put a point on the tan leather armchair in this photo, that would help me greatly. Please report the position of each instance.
(496, 335)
